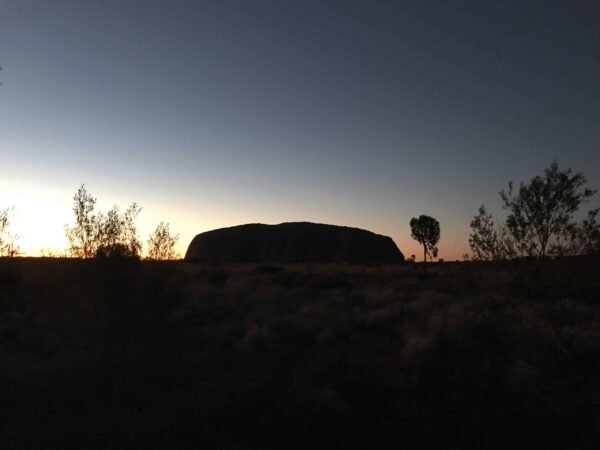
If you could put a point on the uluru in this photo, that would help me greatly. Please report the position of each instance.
(293, 242)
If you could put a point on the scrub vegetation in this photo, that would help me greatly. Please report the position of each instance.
(8, 241)
(114, 234)
(541, 220)
(123, 353)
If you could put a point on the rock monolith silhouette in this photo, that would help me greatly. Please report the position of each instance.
(293, 242)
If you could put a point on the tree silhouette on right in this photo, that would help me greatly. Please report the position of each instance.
(541, 220)
(426, 231)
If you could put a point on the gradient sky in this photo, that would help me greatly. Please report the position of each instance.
(359, 113)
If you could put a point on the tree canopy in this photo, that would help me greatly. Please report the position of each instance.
(541, 219)
(426, 231)
(98, 234)
(161, 244)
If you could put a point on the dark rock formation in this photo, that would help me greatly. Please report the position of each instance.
(293, 242)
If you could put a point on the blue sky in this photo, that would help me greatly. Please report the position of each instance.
(215, 113)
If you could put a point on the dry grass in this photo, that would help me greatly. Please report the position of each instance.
(173, 355)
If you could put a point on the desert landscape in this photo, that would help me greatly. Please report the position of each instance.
(151, 354)
(299, 225)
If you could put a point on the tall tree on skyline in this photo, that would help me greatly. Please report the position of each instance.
(426, 231)
(161, 244)
(541, 212)
(82, 236)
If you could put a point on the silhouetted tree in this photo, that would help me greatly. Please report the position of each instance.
(483, 238)
(8, 246)
(161, 244)
(426, 231)
(117, 234)
(113, 234)
(540, 219)
(488, 240)
(583, 239)
(82, 236)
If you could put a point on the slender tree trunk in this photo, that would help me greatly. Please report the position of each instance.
(424, 259)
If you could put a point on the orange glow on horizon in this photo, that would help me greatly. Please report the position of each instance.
(40, 215)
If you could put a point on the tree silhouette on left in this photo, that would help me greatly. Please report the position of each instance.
(105, 235)
(8, 246)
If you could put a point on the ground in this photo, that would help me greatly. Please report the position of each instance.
(124, 354)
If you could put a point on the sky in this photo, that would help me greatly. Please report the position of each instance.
(359, 113)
